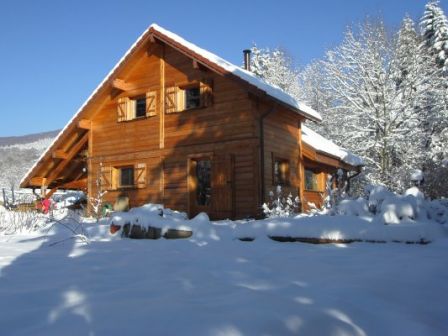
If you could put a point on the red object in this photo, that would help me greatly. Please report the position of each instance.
(46, 203)
(114, 228)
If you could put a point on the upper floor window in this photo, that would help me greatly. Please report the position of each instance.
(189, 96)
(192, 97)
(130, 108)
(140, 107)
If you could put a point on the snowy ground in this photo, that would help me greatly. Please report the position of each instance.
(115, 286)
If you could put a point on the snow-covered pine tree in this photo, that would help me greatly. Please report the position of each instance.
(314, 94)
(276, 67)
(434, 30)
(407, 66)
(434, 27)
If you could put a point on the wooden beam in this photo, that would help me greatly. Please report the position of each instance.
(37, 181)
(85, 124)
(162, 100)
(120, 84)
(195, 64)
(59, 154)
(78, 184)
(124, 86)
(152, 38)
(50, 193)
(60, 167)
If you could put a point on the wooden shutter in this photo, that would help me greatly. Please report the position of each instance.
(151, 103)
(131, 109)
(223, 167)
(206, 88)
(171, 99)
(122, 108)
(180, 99)
(106, 177)
(140, 175)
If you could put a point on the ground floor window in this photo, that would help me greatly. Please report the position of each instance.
(311, 180)
(280, 171)
(126, 176)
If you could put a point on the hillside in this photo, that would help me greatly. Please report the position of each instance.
(18, 154)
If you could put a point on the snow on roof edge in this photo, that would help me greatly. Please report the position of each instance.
(319, 143)
(271, 90)
(106, 78)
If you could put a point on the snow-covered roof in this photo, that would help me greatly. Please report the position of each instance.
(269, 89)
(321, 144)
(245, 75)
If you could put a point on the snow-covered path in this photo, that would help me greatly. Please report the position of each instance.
(172, 287)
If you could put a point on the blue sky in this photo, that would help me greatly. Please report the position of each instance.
(54, 53)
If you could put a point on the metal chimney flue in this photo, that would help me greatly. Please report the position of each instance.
(246, 54)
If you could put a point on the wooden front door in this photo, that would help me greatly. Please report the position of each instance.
(223, 186)
(211, 186)
(200, 185)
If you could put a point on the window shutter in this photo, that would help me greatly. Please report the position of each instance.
(106, 178)
(171, 99)
(131, 109)
(151, 103)
(140, 175)
(122, 108)
(180, 100)
(206, 88)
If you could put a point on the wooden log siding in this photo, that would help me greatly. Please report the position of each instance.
(282, 140)
(223, 125)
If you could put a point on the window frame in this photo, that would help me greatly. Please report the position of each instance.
(128, 106)
(186, 98)
(277, 178)
(120, 177)
(315, 180)
(135, 101)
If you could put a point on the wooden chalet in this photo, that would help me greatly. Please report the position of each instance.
(177, 125)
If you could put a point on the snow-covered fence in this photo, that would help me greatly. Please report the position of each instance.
(12, 197)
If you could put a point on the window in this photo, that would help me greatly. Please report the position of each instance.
(311, 180)
(126, 177)
(140, 107)
(280, 171)
(132, 175)
(192, 98)
(188, 96)
(203, 177)
(130, 108)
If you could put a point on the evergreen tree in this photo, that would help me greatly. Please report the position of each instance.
(276, 68)
(434, 26)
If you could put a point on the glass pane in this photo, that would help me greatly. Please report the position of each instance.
(281, 172)
(310, 180)
(140, 107)
(192, 98)
(203, 176)
(127, 176)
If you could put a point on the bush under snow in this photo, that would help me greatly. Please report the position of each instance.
(386, 207)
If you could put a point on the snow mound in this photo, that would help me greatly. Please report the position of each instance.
(376, 195)
(358, 207)
(339, 228)
(396, 209)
